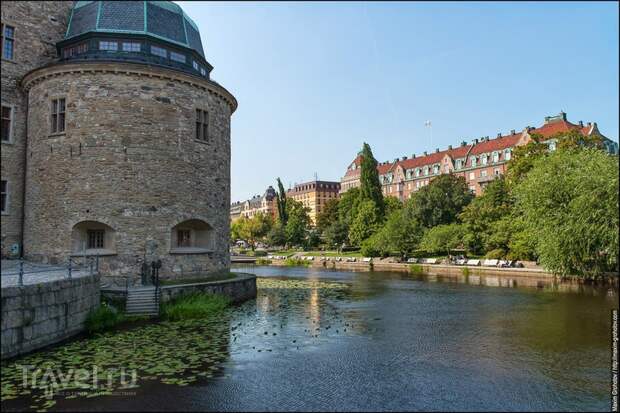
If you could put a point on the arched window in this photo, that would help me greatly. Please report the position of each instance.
(193, 236)
(93, 238)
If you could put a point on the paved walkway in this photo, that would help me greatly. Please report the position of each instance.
(35, 273)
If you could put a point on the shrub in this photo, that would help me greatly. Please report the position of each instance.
(260, 253)
(103, 318)
(296, 262)
(196, 305)
(496, 254)
(263, 261)
(416, 269)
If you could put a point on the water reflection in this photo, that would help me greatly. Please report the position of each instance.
(334, 340)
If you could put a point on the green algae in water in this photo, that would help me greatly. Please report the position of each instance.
(171, 352)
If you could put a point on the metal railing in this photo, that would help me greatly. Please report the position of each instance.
(75, 264)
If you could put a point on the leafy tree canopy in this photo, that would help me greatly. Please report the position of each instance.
(370, 186)
(569, 205)
(440, 202)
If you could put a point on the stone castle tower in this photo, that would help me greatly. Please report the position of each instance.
(120, 141)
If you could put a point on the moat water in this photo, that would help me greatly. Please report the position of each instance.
(329, 340)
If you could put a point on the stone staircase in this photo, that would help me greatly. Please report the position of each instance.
(142, 301)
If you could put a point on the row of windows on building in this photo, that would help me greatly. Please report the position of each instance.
(58, 118)
(133, 47)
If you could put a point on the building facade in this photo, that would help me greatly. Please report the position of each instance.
(478, 162)
(265, 204)
(120, 142)
(314, 195)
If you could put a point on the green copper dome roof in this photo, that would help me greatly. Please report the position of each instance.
(161, 19)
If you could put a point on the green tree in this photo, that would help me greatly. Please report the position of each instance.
(298, 222)
(370, 186)
(348, 206)
(365, 223)
(252, 229)
(440, 202)
(569, 205)
(392, 204)
(482, 215)
(523, 158)
(443, 238)
(281, 203)
(401, 234)
(276, 237)
(336, 234)
(328, 215)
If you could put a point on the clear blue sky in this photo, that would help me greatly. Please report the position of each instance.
(316, 80)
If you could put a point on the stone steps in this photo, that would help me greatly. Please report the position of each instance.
(142, 301)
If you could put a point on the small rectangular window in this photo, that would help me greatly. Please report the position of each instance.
(203, 71)
(58, 115)
(111, 46)
(159, 51)
(177, 57)
(184, 238)
(95, 238)
(8, 41)
(202, 125)
(7, 123)
(4, 196)
(131, 47)
(195, 65)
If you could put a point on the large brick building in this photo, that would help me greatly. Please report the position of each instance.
(479, 162)
(265, 204)
(115, 141)
(314, 195)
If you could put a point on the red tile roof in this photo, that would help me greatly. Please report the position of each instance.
(551, 128)
(496, 144)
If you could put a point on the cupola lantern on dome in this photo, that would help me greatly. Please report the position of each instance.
(153, 32)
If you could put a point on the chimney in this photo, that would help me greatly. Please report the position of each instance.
(512, 131)
(475, 141)
(581, 123)
(395, 160)
(499, 134)
(436, 150)
(486, 138)
(463, 143)
(413, 156)
(404, 158)
(589, 123)
(449, 147)
(425, 153)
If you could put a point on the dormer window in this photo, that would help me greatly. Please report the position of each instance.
(131, 47)
(459, 164)
(425, 170)
(484, 159)
(436, 169)
(177, 57)
(109, 46)
(159, 51)
(552, 146)
(495, 157)
(507, 154)
(417, 172)
(474, 161)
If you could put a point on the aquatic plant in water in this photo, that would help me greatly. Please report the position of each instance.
(169, 352)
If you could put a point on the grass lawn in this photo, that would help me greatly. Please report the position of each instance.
(204, 279)
(334, 253)
(288, 253)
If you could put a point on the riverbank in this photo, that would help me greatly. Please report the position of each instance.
(491, 276)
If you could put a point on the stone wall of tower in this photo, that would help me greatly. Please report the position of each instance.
(128, 159)
(38, 26)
